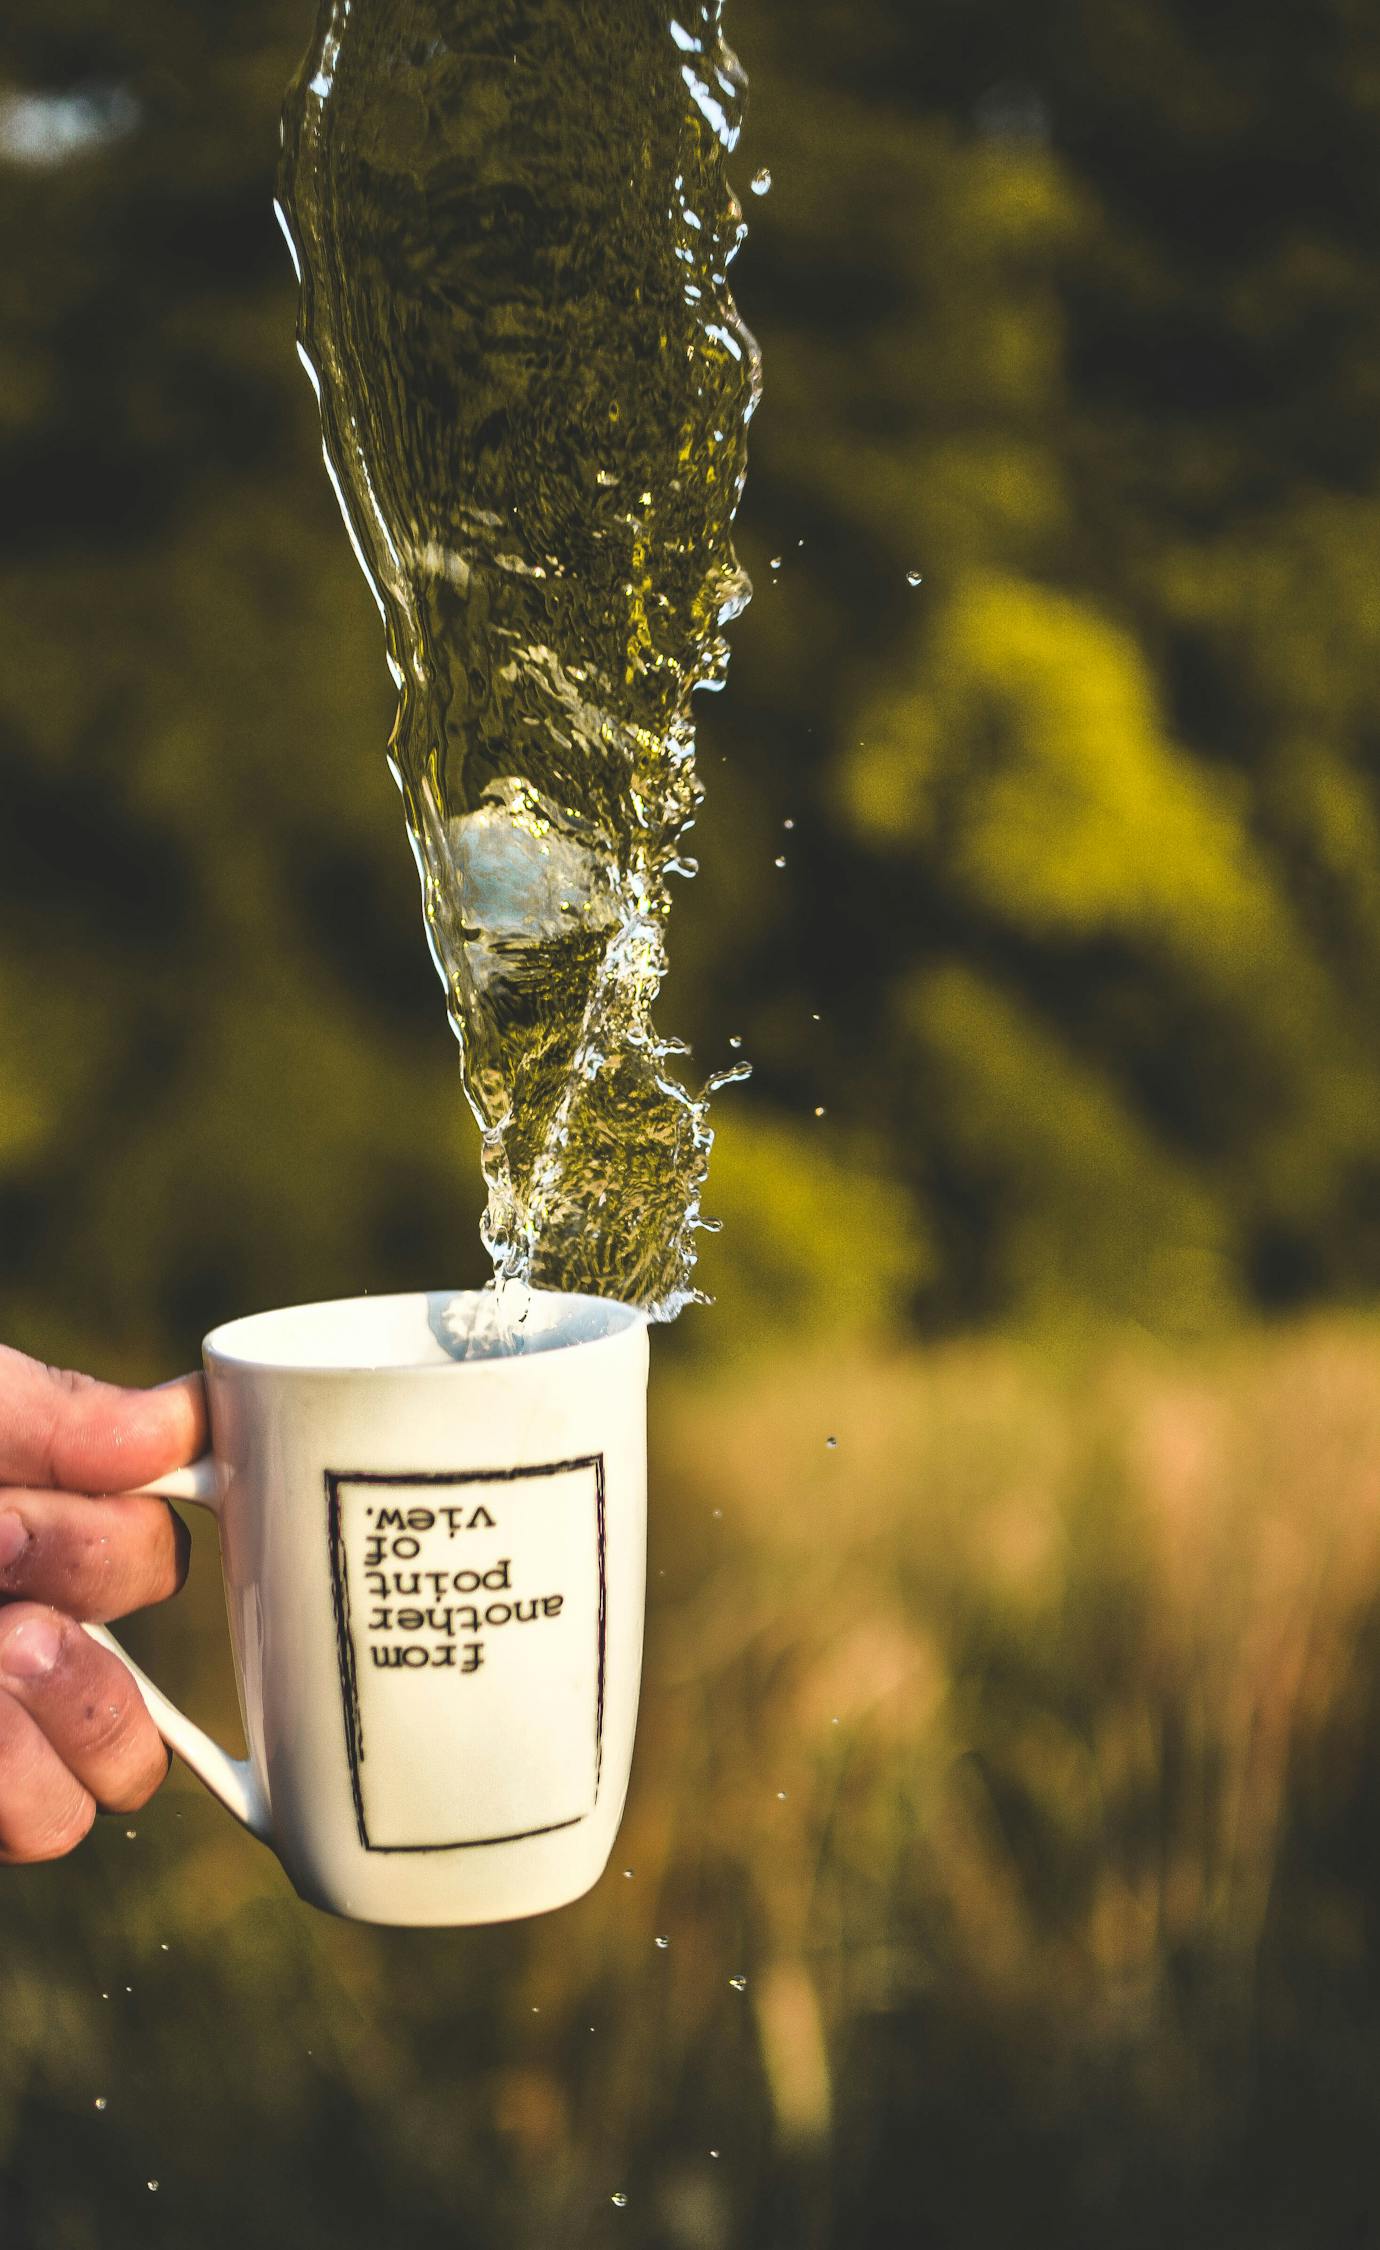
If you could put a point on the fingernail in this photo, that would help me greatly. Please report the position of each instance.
(31, 1649)
(14, 1538)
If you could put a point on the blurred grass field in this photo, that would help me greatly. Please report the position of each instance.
(1020, 1750)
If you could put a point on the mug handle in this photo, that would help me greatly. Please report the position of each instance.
(235, 1781)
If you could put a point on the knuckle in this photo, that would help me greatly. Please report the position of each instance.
(44, 1810)
(68, 1379)
(109, 1718)
(99, 1558)
(162, 1559)
(113, 1741)
(68, 1382)
(54, 1833)
(143, 1556)
(23, 1754)
(144, 1782)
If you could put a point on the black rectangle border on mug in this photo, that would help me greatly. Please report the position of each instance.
(345, 1642)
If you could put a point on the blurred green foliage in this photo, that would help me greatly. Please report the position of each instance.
(1067, 1929)
(1070, 311)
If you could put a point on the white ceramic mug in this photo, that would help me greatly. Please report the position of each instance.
(434, 1548)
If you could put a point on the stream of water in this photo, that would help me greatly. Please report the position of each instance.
(512, 226)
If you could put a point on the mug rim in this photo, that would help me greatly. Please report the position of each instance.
(222, 1344)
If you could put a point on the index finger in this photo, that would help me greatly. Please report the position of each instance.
(71, 1433)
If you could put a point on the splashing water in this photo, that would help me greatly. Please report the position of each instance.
(512, 228)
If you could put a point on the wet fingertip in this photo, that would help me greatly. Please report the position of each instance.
(182, 1413)
(69, 1829)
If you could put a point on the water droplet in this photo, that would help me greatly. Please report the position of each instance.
(627, 1874)
(620, 2199)
(831, 1442)
(739, 1984)
(662, 1943)
(152, 2186)
(781, 861)
(814, 1019)
(164, 1948)
(536, 2011)
(788, 824)
(101, 2102)
(713, 2152)
(781, 1796)
(776, 561)
(735, 1039)
(915, 578)
(718, 1515)
(833, 1722)
(820, 1110)
(761, 180)
(131, 1833)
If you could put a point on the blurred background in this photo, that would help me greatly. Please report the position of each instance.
(1012, 1711)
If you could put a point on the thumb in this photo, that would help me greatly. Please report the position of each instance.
(70, 1433)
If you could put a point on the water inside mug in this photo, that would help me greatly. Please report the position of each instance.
(433, 1328)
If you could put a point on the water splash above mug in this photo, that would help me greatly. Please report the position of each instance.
(512, 227)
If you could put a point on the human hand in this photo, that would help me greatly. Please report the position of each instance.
(75, 1737)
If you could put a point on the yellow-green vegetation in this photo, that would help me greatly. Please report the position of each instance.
(1066, 1931)
(1083, 882)
(1018, 1750)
